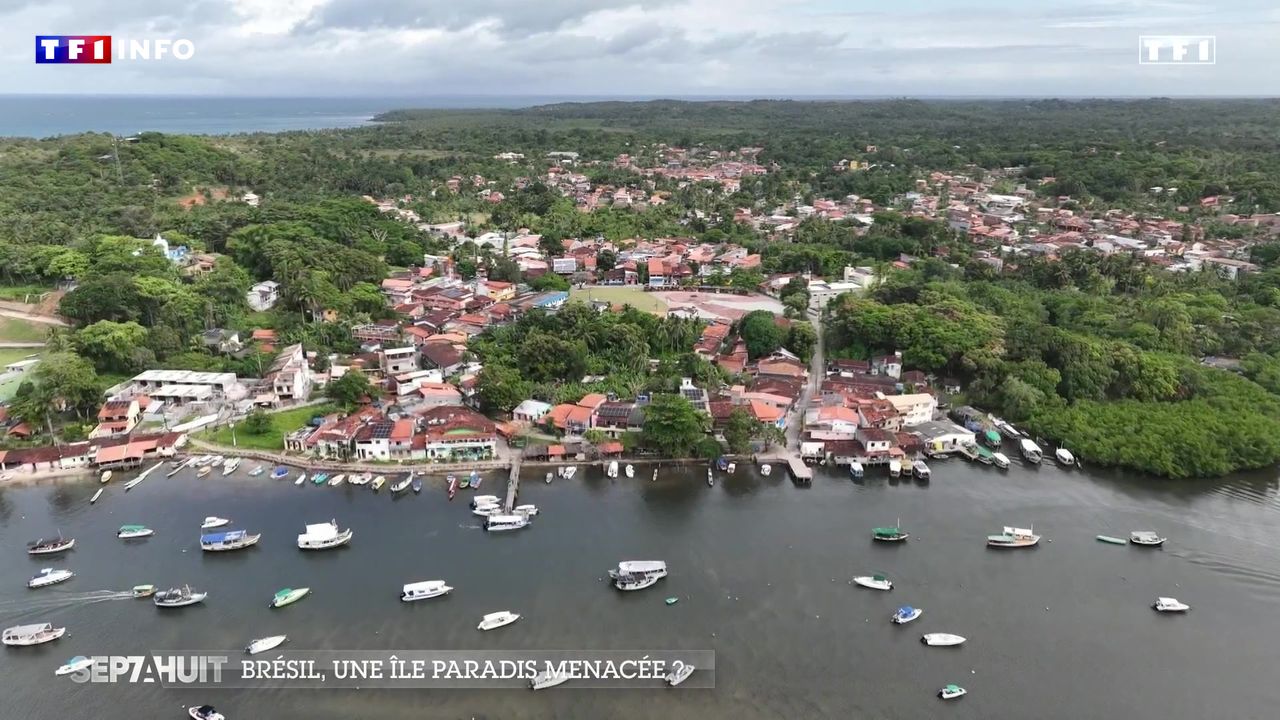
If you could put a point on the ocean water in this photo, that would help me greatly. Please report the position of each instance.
(1064, 631)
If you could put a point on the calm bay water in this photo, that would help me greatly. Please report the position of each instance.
(762, 567)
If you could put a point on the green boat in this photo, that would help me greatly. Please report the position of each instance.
(288, 596)
(985, 456)
(673, 600)
(991, 438)
(889, 534)
(1113, 540)
(320, 478)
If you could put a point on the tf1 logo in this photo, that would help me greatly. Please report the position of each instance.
(96, 49)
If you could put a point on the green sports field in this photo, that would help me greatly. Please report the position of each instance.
(635, 297)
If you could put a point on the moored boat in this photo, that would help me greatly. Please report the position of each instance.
(920, 470)
(1112, 540)
(322, 536)
(401, 485)
(452, 486)
(890, 534)
(528, 509)
(984, 456)
(1146, 538)
(1031, 452)
(320, 478)
(497, 620)
(49, 576)
(855, 469)
(129, 532)
(45, 546)
(680, 674)
(178, 597)
(548, 679)
(106, 476)
(256, 471)
(991, 438)
(213, 522)
(1064, 457)
(279, 472)
(487, 509)
(378, 482)
(96, 495)
(765, 469)
(288, 596)
(232, 540)
(630, 471)
(417, 485)
(1000, 460)
(612, 470)
(478, 500)
(570, 471)
(204, 712)
(942, 639)
(951, 692)
(230, 466)
(33, 634)
(638, 574)
(74, 665)
(337, 480)
(895, 468)
(905, 614)
(475, 480)
(550, 475)
(711, 479)
(204, 471)
(1170, 605)
(1013, 537)
(503, 523)
(262, 645)
(302, 477)
(424, 590)
(874, 582)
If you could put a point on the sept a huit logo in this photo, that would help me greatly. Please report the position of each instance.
(96, 49)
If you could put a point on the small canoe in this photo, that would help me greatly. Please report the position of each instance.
(673, 600)
(96, 495)
(1112, 540)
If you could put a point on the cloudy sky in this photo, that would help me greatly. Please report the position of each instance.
(649, 47)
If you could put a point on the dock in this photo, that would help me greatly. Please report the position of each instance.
(513, 483)
(800, 472)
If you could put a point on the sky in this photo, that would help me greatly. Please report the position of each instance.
(669, 48)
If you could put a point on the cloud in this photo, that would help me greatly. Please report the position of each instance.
(517, 18)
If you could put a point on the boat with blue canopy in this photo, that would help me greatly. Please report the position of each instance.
(230, 540)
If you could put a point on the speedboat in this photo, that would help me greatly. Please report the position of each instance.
(424, 590)
(256, 471)
(50, 547)
(204, 712)
(487, 510)
(855, 469)
(874, 582)
(478, 500)
(230, 466)
(570, 471)
(302, 477)
(401, 485)
(631, 471)
(27, 635)
(106, 475)
(49, 576)
(128, 532)
(1064, 457)
(178, 597)
(502, 523)
(550, 476)
(1000, 460)
(279, 472)
(612, 471)
(416, 485)
(143, 591)
(895, 468)
(920, 470)
(497, 620)
(288, 596)
(1146, 537)
(1168, 604)
(337, 480)
(942, 639)
(905, 614)
(231, 540)
(951, 692)
(711, 479)
(378, 482)
(548, 679)
(214, 522)
(680, 674)
(262, 645)
(638, 574)
(322, 536)
(889, 534)
(765, 469)
(526, 510)
(732, 468)
(74, 665)
(1031, 451)
(1014, 538)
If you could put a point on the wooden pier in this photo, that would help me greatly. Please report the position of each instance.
(513, 483)
(800, 472)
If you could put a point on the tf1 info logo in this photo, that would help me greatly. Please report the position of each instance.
(1177, 49)
(96, 49)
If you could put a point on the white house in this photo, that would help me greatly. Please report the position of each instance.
(531, 411)
(914, 409)
(397, 361)
(290, 375)
(264, 295)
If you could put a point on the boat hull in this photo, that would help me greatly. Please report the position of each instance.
(51, 579)
(264, 644)
(942, 640)
(52, 549)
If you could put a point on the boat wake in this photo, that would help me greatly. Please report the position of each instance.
(55, 602)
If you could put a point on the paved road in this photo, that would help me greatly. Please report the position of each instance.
(817, 371)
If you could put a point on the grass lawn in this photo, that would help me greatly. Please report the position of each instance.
(634, 297)
(282, 423)
(22, 293)
(9, 355)
(15, 330)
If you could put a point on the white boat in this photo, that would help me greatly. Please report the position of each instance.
(497, 620)
(631, 471)
(337, 480)
(1013, 537)
(1005, 428)
(322, 536)
(612, 471)
(680, 674)
(217, 460)
(256, 471)
(503, 523)
(1001, 460)
(232, 540)
(36, 634)
(765, 469)
(549, 477)
(212, 522)
(951, 692)
(711, 479)
(424, 590)
(204, 712)
(302, 477)
(905, 614)
(895, 468)
(262, 645)
(638, 574)
(401, 485)
(856, 470)
(96, 495)
(230, 466)
(548, 679)
(570, 471)
(134, 483)
(733, 467)
(49, 576)
(920, 470)
(560, 471)
(106, 475)
(178, 597)
(655, 475)
(488, 510)
(128, 532)
(479, 500)
(1168, 604)
(1146, 537)
(526, 510)
(874, 582)
(50, 546)
(1064, 457)
(378, 482)
(360, 479)
(942, 639)
(74, 665)
(1030, 451)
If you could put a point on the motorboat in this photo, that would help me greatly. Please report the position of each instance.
(612, 471)
(204, 471)
(204, 712)
(525, 510)
(920, 470)
(1146, 538)
(765, 469)
(983, 455)
(548, 679)
(378, 482)
(1000, 460)
(320, 478)
(1004, 427)
(302, 477)
(279, 472)
(951, 692)
(212, 522)
(231, 540)
(991, 438)
(322, 536)
(1064, 457)
(401, 485)
(1031, 452)
(638, 574)
(711, 479)
(655, 475)
(230, 466)
(497, 620)
(630, 470)
(464, 483)
(96, 495)
(49, 576)
(416, 485)
(262, 645)
(288, 596)
(722, 463)
(503, 523)
(216, 460)
(74, 665)
(475, 480)
(178, 597)
(905, 614)
(733, 467)
(337, 480)
(1013, 537)
(424, 590)
(889, 534)
(874, 582)
(942, 639)
(855, 469)
(364, 479)
(34, 634)
(487, 510)
(570, 471)
(478, 500)
(680, 674)
(129, 532)
(256, 471)
(452, 486)
(50, 546)
(550, 476)
(143, 591)
(895, 468)
(1170, 605)
(105, 477)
